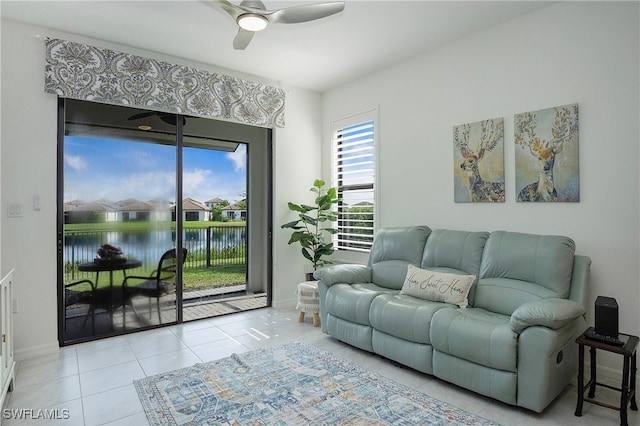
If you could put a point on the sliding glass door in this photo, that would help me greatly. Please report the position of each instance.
(156, 215)
(214, 181)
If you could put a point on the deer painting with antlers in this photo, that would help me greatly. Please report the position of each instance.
(546, 133)
(473, 142)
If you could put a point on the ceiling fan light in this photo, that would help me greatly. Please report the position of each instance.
(252, 22)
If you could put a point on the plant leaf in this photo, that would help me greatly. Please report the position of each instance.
(294, 207)
(326, 249)
(308, 219)
(323, 202)
(295, 237)
(291, 225)
(306, 254)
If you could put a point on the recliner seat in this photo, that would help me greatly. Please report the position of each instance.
(345, 313)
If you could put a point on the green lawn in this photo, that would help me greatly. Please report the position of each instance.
(219, 276)
(193, 278)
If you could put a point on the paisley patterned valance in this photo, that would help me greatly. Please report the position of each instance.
(90, 73)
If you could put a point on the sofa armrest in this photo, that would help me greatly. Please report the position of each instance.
(547, 361)
(551, 313)
(346, 274)
(580, 279)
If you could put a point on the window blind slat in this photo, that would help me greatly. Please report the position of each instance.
(355, 129)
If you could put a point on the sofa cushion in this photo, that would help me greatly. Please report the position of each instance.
(518, 268)
(352, 302)
(458, 252)
(389, 274)
(354, 334)
(393, 249)
(404, 317)
(437, 286)
(505, 295)
(501, 385)
(415, 355)
(476, 335)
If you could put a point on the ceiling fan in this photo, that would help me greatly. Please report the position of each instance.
(164, 116)
(253, 16)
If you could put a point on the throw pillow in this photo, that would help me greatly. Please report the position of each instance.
(438, 286)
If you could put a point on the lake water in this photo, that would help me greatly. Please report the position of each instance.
(148, 246)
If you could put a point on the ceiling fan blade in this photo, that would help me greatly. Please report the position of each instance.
(242, 39)
(309, 12)
(142, 115)
(228, 7)
(254, 4)
(171, 119)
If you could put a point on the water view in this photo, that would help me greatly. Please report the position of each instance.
(208, 247)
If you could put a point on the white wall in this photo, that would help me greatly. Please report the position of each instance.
(570, 52)
(28, 167)
(297, 166)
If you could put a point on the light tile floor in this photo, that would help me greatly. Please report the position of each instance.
(91, 383)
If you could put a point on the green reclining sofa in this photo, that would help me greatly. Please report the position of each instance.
(515, 341)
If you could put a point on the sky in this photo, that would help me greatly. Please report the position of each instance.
(96, 168)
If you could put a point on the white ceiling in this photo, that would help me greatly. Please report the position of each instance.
(368, 35)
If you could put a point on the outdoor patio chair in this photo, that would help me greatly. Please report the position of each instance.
(78, 296)
(161, 283)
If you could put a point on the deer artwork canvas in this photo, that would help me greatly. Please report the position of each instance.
(479, 162)
(547, 155)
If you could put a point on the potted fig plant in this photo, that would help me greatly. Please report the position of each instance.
(314, 227)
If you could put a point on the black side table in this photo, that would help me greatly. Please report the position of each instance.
(628, 389)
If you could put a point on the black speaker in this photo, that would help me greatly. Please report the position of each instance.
(606, 316)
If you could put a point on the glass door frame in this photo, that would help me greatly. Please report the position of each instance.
(265, 265)
(179, 222)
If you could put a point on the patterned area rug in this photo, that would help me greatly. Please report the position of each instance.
(290, 384)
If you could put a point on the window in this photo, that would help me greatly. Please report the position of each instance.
(353, 168)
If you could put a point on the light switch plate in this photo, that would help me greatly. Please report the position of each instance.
(14, 210)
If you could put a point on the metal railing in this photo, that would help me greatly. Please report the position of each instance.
(207, 247)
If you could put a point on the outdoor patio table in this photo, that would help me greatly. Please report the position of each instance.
(98, 267)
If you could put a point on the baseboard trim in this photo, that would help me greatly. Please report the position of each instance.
(289, 303)
(36, 351)
(607, 375)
